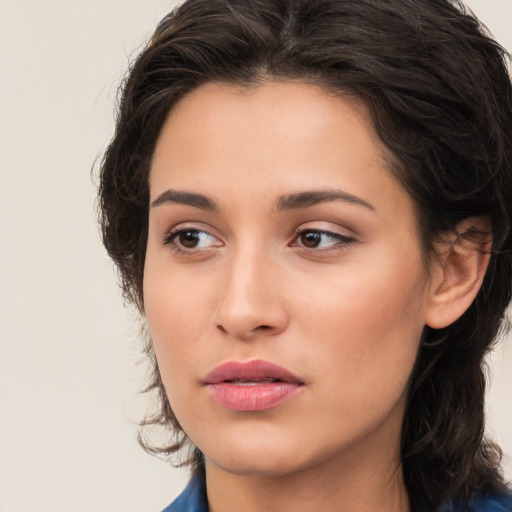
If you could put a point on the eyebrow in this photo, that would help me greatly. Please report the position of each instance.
(286, 202)
(312, 198)
(188, 198)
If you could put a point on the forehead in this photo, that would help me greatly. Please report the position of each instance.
(271, 138)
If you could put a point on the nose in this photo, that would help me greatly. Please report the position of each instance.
(251, 301)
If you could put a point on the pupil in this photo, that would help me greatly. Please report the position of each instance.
(189, 239)
(310, 239)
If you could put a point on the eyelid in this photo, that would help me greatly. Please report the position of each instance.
(169, 239)
(340, 239)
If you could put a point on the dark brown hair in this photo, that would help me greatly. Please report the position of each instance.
(439, 93)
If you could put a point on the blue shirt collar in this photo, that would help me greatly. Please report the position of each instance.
(193, 498)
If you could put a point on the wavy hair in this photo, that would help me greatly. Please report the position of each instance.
(438, 89)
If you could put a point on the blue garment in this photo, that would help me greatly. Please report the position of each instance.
(193, 499)
(502, 503)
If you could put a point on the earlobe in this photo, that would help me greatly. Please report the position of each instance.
(459, 271)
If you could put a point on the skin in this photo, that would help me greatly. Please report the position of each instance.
(346, 316)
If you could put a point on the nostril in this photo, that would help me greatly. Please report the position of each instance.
(245, 335)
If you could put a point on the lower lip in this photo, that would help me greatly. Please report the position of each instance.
(256, 397)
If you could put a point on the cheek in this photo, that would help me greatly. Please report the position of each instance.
(175, 309)
(367, 330)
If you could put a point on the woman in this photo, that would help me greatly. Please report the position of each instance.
(307, 200)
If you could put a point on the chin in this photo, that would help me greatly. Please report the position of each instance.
(261, 458)
(262, 466)
(253, 458)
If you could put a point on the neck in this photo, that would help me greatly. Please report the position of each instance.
(357, 484)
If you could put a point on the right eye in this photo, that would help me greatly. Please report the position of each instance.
(189, 239)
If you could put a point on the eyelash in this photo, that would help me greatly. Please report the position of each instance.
(341, 241)
(170, 239)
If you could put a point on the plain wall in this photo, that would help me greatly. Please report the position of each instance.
(68, 349)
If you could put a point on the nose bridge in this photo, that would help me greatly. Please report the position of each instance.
(250, 299)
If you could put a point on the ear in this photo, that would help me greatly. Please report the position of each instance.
(458, 271)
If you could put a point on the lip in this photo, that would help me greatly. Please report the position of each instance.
(255, 385)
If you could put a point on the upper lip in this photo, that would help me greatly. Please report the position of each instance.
(254, 370)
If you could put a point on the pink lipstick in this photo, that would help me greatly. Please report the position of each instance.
(251, 386)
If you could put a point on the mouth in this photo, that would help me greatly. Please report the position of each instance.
(254, 385)
(238, 382)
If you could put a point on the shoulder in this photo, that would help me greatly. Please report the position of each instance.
(501, 503)
(192, 499)
(494, 503)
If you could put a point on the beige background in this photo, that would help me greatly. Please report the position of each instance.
(68, 349)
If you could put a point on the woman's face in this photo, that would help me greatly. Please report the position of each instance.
(284, 288)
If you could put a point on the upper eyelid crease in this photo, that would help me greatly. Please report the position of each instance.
(329, 234)
(185, 229)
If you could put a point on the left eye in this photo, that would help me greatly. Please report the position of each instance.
(189, 238)
(315, 239)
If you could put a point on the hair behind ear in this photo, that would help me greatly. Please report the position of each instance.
(443, 433)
